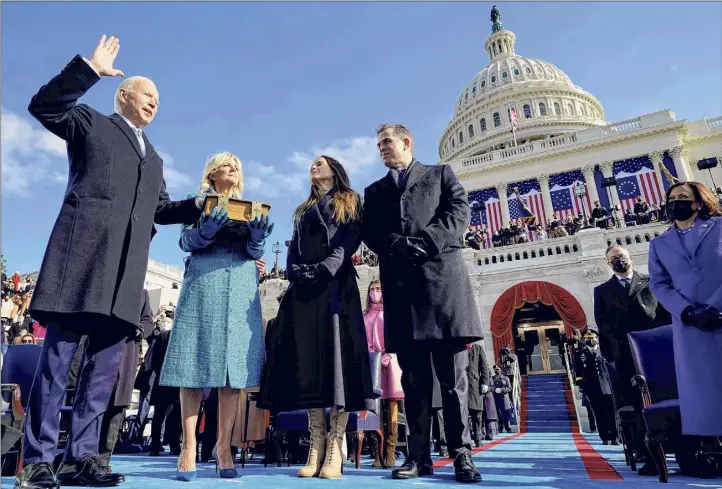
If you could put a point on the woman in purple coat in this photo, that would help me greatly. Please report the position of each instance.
(685, 274)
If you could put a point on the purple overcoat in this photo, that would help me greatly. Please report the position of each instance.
(679, 280)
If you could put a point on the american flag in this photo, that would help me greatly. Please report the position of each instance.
(531, 193)
(636, 177)
(514, 119)
(564, 198)
(490, 216)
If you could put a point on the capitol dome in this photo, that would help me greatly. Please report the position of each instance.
(546, 102)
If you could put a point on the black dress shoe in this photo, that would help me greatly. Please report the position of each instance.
(410, 470)
(91, 474)
(444, 452)
(648, 469)
(464, 469)
(36, 476)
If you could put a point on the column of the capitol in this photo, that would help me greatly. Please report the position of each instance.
(657, 159)
(588, 172)
(607, 169)
(679, 157)
(504, 203)
(546, 197)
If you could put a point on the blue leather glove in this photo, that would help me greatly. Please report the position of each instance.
(213, 222)
(260, 229)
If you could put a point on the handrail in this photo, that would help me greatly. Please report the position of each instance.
(570, 377)
(516, 394)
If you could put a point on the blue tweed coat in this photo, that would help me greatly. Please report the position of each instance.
(217, 337)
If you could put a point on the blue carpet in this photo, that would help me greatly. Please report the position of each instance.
(531, 461)
(547, 410)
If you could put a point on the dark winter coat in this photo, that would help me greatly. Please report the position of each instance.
(97, 254)
(479, 374)
(318, 355)
(434, 300)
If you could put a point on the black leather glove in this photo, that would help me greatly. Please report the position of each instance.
(310, 273)
(706, 318)
(410, 248)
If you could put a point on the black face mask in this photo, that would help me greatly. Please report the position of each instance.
(620, 264)
(591, 343)
(680, 210)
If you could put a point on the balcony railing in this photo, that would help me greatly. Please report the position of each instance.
(567, 248)
(462, 165)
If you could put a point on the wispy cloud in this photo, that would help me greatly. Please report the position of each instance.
(356, 154)
(29, 156)
(175, 179)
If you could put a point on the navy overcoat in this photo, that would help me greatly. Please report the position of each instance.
(678, 280)
(97, 254)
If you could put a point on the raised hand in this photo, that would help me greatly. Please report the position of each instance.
(104, 56)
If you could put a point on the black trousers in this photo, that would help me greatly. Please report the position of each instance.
(449, 363)
(110, 429)
(603, 408)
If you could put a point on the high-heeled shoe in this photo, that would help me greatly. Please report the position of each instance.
(188, 475)
(224, 473)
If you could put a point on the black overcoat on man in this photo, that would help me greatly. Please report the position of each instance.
(480, 374)
(618, 311)
(438, 294)
(97, 255)
(429, 307)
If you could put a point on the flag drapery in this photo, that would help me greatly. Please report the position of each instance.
(563, 195)
(488, 217)
(530, 192)
(635, 177)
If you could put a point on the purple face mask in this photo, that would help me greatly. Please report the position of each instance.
(375, 296)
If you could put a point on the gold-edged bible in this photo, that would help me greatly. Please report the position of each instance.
(238, 210)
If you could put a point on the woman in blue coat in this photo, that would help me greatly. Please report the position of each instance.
(217, 337)
(685, 274)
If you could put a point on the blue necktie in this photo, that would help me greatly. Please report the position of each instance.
(402, 174)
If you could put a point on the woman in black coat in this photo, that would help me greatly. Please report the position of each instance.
(318, 353)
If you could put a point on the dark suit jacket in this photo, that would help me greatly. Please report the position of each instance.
(97, 255)
(433, 301)
(618, 312)
(131, 355)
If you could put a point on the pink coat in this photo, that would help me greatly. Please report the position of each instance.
(391, 375)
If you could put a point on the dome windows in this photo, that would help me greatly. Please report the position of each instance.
(493, 78)
(483, 83)
(461, 138)
(466, 97)
(516, 71)
(542, 109)
(527, 111)
(473, 90)
(471, 131)
(504, 75)
(527, 70)
(483, 124)
(497, 119)
(557, 109)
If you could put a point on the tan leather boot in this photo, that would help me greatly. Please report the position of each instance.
(392, 433)
(317, 448)
(333, 465)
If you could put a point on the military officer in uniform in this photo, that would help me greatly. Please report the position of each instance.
(502, 397)
(592, 377)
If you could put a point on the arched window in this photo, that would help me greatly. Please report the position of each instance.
(483, 124)
(461, 137)
(570, 109)
(483, 83)
(466, 97)
(542, 109)
(504, 74)
(473, 89)
(453, 143)
(557, 109)
(493, 78)
(528, 70)
(516, 72)
(527, 111)
(497, 119)
(471, 131)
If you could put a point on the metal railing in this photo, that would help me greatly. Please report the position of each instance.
(516, 394)
(570, 377)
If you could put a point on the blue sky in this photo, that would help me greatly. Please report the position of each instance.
(280, 83)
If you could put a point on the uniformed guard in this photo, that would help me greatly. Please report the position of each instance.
(592, 377)
(502, 397)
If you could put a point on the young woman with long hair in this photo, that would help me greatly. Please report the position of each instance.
(318, 357)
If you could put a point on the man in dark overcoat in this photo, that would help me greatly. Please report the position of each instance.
(91, 278)
(414, 219)
(624, 304)
(482, 407)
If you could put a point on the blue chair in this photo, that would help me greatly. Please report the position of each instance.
(626, 418)
(18, 371)
(653, 354)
